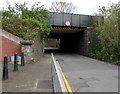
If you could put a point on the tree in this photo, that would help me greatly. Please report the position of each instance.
(24, 22)
(108, 34)
(62, 7)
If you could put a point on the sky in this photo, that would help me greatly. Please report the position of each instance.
(88, 7)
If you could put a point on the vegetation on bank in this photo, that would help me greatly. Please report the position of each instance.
(108, 45)
(25, 22)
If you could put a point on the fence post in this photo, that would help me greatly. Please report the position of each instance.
(5, 68)
(22, 60)
(15, 62)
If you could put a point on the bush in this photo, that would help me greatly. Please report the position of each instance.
(108, 46)
(25, 23)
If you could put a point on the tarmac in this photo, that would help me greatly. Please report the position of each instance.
(33, 77)
(89, 75)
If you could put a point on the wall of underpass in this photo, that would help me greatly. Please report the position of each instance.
(83, 43)
(86, 42)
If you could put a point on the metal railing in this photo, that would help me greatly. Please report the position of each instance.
(60, 83)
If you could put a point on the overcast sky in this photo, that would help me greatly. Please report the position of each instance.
(88, 7)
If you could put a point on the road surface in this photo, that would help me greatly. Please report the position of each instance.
(88, 75)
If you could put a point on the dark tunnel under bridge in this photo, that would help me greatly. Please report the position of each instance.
(71, 40)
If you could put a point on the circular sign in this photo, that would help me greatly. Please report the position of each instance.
(67, 23)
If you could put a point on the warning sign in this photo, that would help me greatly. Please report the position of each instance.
(67, 23)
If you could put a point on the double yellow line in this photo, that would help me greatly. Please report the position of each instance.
(69, 90)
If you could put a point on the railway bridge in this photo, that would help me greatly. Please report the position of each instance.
(71, 31)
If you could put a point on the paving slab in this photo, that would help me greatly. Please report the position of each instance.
(34, 77)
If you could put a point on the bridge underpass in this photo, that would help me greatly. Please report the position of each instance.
(71, 40)
(70, 30)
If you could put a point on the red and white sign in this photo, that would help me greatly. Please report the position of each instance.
(67, 23)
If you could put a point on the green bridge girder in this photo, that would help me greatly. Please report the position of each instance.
(73, 20)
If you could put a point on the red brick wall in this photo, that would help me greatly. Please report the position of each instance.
(9, 44)
(9, 48)
(0, 48)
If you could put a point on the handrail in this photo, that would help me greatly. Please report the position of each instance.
(59, 81)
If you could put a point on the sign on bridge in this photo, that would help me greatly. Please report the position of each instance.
(67, 23)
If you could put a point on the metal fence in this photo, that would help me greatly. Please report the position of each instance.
(60, 83)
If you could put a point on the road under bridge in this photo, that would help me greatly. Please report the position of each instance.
(89, 75)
